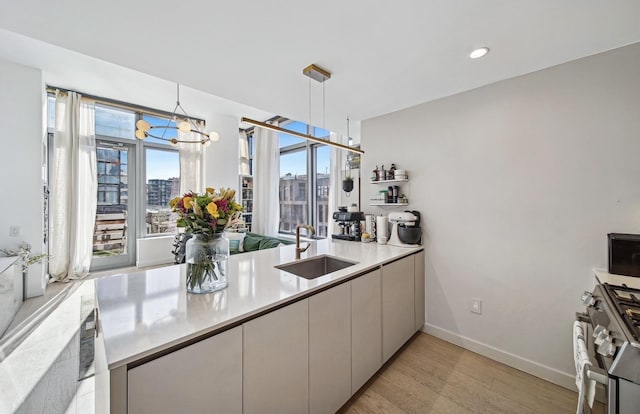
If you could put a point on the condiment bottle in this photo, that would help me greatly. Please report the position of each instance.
(392, 172)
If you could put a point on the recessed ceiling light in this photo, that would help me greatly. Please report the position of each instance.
(478, 53)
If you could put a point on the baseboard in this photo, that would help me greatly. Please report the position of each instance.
(539, 370)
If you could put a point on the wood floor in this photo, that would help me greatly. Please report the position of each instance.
(433, 376)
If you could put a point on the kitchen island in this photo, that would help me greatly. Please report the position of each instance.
(157, 344)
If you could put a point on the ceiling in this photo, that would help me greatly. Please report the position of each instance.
(384, 56)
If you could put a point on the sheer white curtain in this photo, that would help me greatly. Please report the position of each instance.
(191, 163)
(266, 183)
(243, 150)
(73, 185)
(337, 163)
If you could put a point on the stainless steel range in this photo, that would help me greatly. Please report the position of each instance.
(613, 312)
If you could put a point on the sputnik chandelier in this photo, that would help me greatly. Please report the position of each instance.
(182, 122)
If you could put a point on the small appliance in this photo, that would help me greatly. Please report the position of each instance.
(624, 254)
(405, 230)
(349, 223)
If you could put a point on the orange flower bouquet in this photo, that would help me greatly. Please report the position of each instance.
(207, 213)
(205, 216)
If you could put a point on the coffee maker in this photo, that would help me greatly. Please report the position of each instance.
(349, 223)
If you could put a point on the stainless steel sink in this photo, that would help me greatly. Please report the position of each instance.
(316, 266)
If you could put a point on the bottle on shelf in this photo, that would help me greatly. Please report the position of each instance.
(374, 175)
(382, 175)
(391, 172)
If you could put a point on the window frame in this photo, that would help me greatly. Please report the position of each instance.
(127, 259)
(311, 206)
(137, 170)
(143, 162)
(140, 178)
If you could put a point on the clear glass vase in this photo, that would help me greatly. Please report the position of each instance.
(207, 258)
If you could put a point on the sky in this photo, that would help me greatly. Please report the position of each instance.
(162, 165)
(296, 163)
(165, 164)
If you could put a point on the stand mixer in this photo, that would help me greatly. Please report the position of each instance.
(406, 231)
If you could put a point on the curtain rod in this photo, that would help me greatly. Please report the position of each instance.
(121, 104)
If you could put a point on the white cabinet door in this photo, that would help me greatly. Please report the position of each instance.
(276, 361)
(366, 325)
(205, 377)
(419, 290)
(398, 313)
(330, 349)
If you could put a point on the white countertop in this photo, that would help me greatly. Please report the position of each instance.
(6, 261)
(605, 277)
(145, 312)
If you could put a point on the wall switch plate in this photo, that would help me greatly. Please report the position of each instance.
(14, 231)
(476, 306)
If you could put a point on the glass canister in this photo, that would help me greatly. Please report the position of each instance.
(207, 258)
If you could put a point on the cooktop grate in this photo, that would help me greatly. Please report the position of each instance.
(627, 303)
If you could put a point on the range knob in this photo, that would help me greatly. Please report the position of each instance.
(588, 299)
(600, 334)
(606, 347)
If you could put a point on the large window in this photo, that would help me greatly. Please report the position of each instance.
(136, 180)
(298, 158)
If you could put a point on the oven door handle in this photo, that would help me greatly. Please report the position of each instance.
(598, 375)
(583, 317)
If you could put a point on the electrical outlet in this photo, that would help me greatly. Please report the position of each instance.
(14, 231)
(476, 306)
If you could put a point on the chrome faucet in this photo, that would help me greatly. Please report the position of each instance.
(311, 230)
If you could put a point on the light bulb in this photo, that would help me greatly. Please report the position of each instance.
(184, 126)
(213, 136)
(140, 134)
(173, 142)
(478, 53)
(143, 125)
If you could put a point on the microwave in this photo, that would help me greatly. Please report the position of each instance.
(624, 254)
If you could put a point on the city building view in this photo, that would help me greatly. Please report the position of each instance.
(294, 202)
(159, 218)
(110, 234)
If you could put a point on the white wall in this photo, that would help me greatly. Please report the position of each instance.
(154, 251)
(21, 98)
(67, 69)
(519, 183)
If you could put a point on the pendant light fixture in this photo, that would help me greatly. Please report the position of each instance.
(183, 123)
(320, 75)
